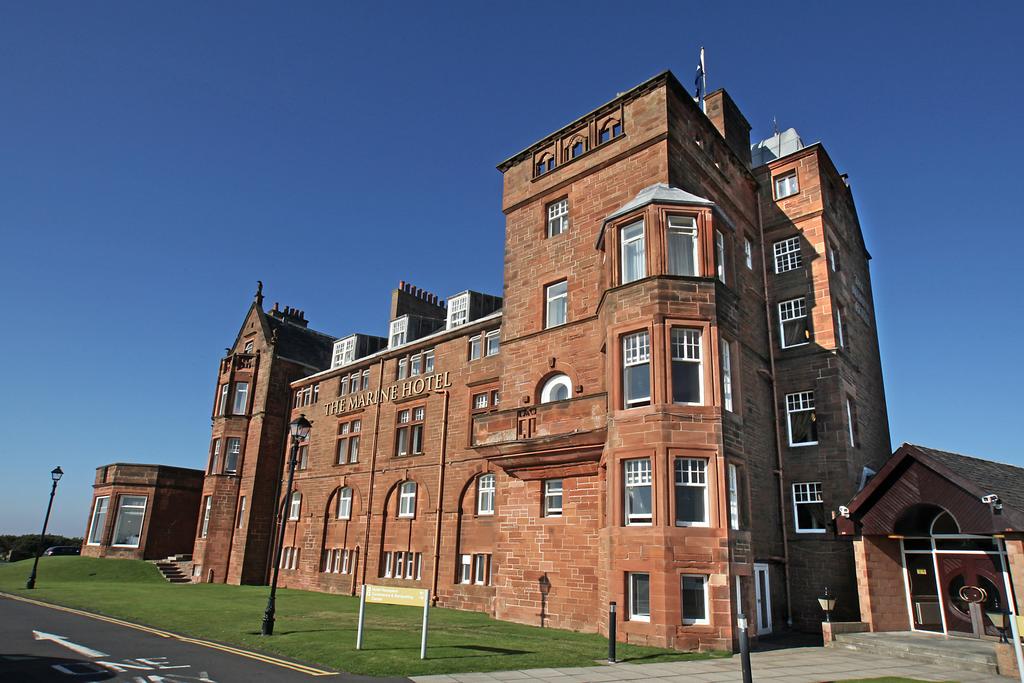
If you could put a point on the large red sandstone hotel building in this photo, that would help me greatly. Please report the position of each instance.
(678, 385)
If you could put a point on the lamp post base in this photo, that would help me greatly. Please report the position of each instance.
(267, 628)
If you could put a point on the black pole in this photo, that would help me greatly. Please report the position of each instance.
(611, 632)
(741, 623)
(267, 628)
(31, 583)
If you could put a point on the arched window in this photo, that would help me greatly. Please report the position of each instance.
(944, 523)
(611, 129)
(296, 505)
(557, 388)
(546, 163)
(485, 494)
(407, 499)
(345, 503)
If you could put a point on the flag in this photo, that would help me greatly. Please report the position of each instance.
(699, 80)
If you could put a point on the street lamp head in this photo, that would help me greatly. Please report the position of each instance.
(56, 473)
(299, 428)
(827, 601)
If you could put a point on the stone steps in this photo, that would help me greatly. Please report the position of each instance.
(172, 570)
(956, 654)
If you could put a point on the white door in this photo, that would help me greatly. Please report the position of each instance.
(763, 597)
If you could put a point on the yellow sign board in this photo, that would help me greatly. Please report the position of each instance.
(394, 595)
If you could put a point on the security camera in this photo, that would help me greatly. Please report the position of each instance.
(844, 511)
(990, 499)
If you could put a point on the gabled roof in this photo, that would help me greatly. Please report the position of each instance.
(659, 193)
(297, 343)
(971, 478)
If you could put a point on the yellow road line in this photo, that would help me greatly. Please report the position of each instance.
(301, 668)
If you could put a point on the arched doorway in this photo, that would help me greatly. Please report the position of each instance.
(943, 566)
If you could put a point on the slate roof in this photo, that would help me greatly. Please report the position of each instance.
(302, 344)
(660, 193)
(1006, 481)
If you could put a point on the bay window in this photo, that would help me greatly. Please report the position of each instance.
(687, 366)
(99, 520)
(636, 370)
(691, 489)
(637, 480)
(682, 245)
(634, 258)
(131, 512)
(241, 394)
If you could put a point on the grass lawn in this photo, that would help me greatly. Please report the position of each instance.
(315, 627)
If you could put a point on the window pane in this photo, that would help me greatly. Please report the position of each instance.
(130, 514)
(241, 392)
(639, 501)
(634, 266)
(99, 520)
(639, 596)
(693, 600)
(637, 385)
(690, 504)
(682, 246)
(803, 427)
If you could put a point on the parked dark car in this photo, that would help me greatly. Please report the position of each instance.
(63, 550)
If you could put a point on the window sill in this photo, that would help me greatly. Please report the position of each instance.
(694, 525)
(803, 445)
(811, 531)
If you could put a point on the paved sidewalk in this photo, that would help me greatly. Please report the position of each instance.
(796, 665)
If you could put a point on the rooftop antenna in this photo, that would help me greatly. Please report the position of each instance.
(778, 138)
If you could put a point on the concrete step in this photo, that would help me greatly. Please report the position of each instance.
(173, 572)
(957, 654)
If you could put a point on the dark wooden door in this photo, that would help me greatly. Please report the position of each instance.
(957, 571)
(924, 596)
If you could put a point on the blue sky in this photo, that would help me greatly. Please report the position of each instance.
(157, 159)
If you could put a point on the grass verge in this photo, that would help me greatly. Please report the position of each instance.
(316, 627)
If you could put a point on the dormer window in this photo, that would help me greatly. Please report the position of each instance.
(396, 335)
(458, 310)
(344, 352)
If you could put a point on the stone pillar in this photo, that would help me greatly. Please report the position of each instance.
(1015, 557)
(880, 584)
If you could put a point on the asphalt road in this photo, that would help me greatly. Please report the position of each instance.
(41, 644)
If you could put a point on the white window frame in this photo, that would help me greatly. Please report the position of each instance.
(398, 332)
(692, 473)
(121, 504)
(839, 327)
(344, 352)
(407, 499)
(799, 402)
(485, 490)
(786, 184)
(387, 564)
(727, 389)
(225, 395)
(240, 395)
(734, 496)
(400, 564)
(720, 264)
(687, 344)
(683, 226)
(787, 255)
(207, 507)
(851, 426)
(689, 621)
(458, 311)
(636, 350)
(559, 299)
(555, 382)
(465, 569)
(480, 569)
(631, 599)
(554, 488)
(640, 477)
(789, 310)
(748, 253)
(558, 217)
(294, 506)
(96, 535)
(626, 242)
(476, 347)
(492, 343)
(233, 453)
(810, 493)
(480, 401)
(345, 503)
(241, 512)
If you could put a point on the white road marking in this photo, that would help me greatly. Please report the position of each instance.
(74, 647)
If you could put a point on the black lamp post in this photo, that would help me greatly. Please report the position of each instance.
(299, 430)
(828, 603)
(55, 474)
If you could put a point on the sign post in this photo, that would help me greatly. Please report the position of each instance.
(393, 595)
